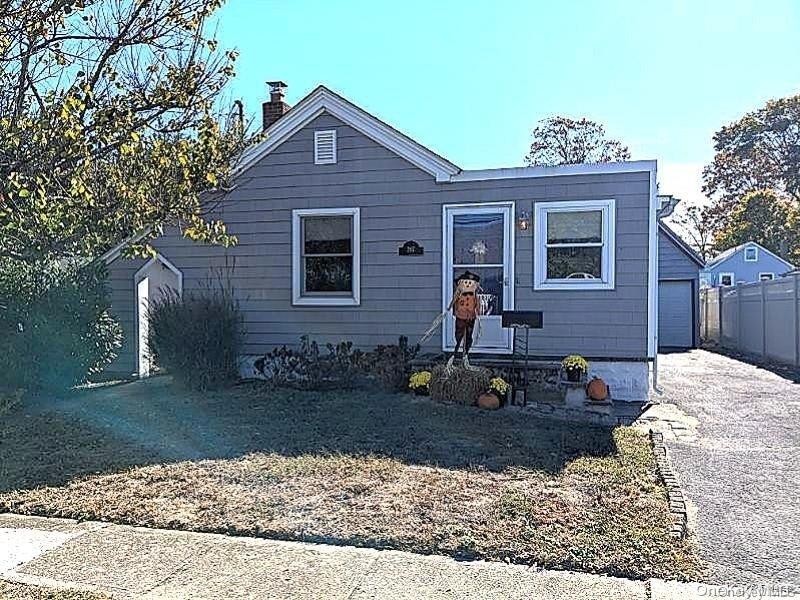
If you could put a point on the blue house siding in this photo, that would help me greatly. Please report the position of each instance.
(399, 295)
(744, 271)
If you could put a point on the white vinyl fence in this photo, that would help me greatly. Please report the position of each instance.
(758, 318)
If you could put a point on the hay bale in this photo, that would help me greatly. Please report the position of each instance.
(460, 385)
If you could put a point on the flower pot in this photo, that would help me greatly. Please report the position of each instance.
(574, 374)
(421, 391)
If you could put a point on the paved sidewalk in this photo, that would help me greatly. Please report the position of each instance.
(131, 562)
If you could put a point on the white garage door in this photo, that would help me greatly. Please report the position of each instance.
(675, 320)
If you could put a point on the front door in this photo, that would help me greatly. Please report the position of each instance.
(480, 238)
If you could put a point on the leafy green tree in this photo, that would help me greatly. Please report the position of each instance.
(699, 224)
(564, 141)
(108, 124)
(759, 151)
(762, 216)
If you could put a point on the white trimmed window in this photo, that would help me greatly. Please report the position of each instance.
(727, 279)
(326, 257)
(766, 276)
(574, 245)
(751, 254)
(325, 147)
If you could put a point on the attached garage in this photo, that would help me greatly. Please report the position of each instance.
(678, 291)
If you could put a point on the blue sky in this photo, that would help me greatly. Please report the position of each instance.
(470, 79)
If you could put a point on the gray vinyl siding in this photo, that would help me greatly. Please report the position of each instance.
(402, 295)
(674, 264)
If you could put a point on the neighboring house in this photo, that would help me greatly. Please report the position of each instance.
(678, 291)
(323, 206)
(743, 264)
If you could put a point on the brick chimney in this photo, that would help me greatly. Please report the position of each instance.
(274, 109)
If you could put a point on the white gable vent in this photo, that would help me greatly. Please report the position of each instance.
(325, 147)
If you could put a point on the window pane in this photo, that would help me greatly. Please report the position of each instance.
(328, 274)
(328, 235)
(574, 263)
(575, 227)
(478, 239)
(491, 292)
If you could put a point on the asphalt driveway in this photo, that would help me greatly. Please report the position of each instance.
(742, 468)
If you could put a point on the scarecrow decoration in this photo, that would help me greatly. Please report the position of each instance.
(466, 309)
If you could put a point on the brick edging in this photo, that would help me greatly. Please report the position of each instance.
(677, 501)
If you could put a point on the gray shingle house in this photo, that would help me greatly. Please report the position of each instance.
(325, 205)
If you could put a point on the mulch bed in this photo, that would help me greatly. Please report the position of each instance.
(357, 468)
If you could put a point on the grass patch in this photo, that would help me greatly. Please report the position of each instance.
(377, 470)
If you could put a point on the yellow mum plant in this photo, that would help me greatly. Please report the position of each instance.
(419, 380)
(499, 385)
(575, 362)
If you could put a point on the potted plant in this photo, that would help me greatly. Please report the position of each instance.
(575, 367)
(419, 382)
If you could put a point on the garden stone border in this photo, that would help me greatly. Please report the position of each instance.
(677, 501)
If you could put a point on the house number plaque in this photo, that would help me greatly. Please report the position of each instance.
(411, 248)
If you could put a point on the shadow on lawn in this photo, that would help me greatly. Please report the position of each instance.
(49, 441)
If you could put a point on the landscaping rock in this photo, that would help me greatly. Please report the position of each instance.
(459, 385)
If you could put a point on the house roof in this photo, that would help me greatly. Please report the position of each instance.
(323, 100)
(725, 255)
(681, 244)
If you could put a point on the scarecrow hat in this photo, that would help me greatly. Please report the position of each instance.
(469, 275)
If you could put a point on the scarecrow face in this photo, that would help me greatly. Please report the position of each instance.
(467, 285)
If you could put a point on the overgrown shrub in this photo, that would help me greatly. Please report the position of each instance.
(390, 364)
(55, 324)
(308, 368)
(197, 336)
(341, 367)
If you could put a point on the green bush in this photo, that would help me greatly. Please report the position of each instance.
(55, 325)
(197, 337)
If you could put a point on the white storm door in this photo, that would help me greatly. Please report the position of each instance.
(480, 238)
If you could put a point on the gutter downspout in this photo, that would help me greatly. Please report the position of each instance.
(653, 277)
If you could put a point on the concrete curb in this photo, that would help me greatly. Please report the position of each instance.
(677, 501)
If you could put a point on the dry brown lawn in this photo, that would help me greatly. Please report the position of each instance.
(377, 470)
(20, 591)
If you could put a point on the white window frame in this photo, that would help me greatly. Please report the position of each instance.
(731, 275)
(317, 159)
(755, 255)
(762, 273)
(541, 211)
(320, 299)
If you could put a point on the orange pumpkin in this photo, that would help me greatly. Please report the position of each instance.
(597, 390)
(488, 401)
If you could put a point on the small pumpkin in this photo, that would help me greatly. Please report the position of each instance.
(597, 390)
(488, 401)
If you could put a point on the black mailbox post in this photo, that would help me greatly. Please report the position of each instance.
(527, 320)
